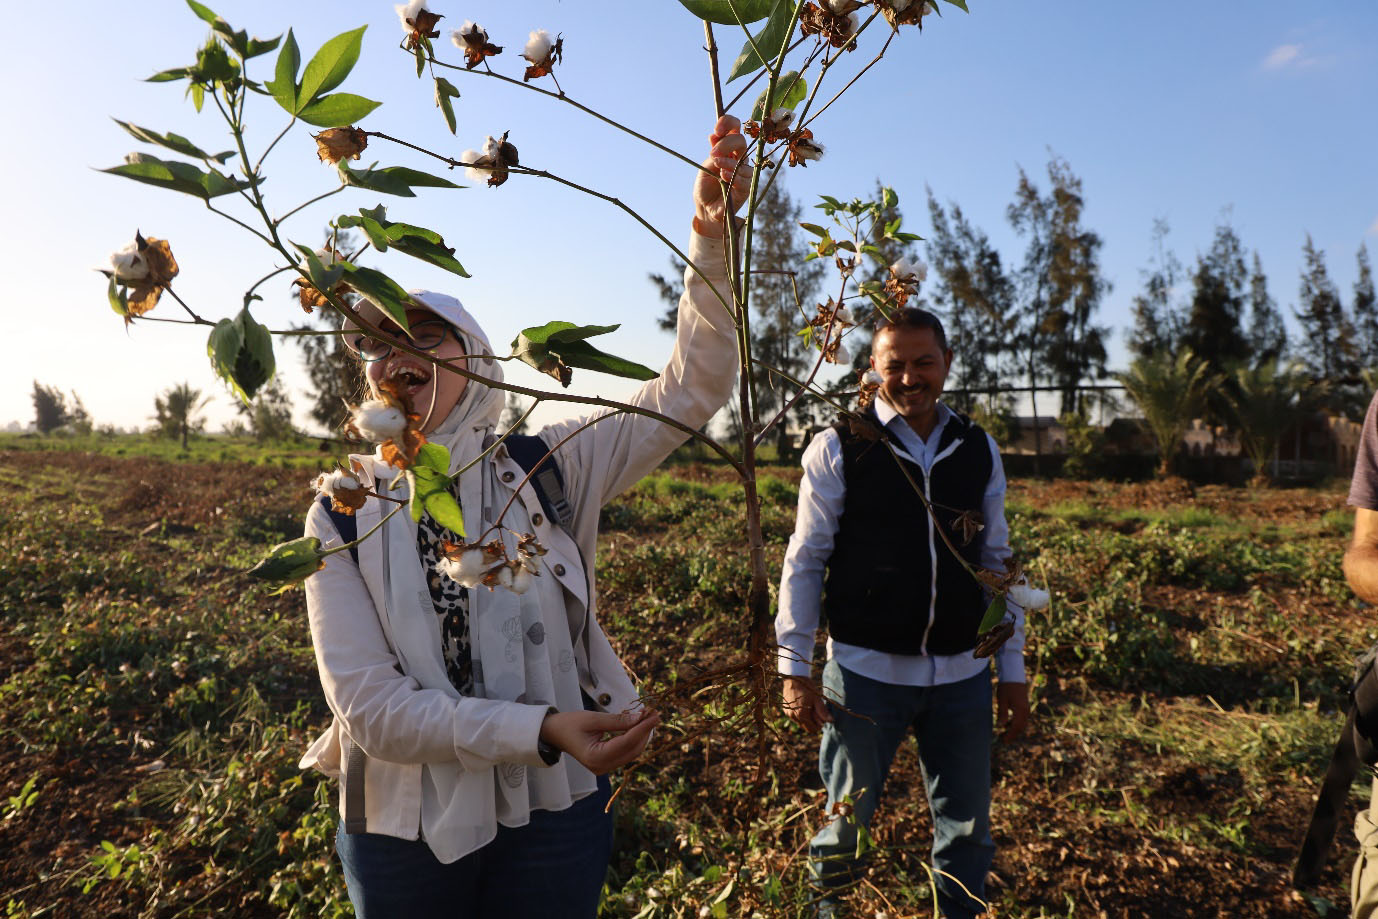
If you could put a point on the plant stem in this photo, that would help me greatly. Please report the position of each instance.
(270, 275)
(190, 312)
(497, 443)
(373, 529)
(305, 204)
(712, 49)
(561, 96)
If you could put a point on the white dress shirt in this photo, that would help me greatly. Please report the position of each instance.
(822, 493)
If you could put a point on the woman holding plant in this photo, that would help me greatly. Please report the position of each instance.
(476, 706)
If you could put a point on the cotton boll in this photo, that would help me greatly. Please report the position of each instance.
(538, 46)
(377, 421)
(129, 264)
(407, 11)
(521, 580)
(473, 172)
(1030, 598)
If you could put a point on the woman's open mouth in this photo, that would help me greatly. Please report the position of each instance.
(414, 378)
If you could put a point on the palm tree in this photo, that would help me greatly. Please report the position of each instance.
(1169, 392)
(177, 409)
(1266, 401)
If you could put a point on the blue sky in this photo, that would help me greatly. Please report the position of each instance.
(1177, 112)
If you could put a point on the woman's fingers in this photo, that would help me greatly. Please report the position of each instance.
(607, 755)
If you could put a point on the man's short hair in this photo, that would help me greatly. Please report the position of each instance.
(911, 317)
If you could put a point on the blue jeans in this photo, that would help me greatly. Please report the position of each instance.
(952, 723)
(552, 868)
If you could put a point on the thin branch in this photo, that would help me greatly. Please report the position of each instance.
(233, 219)
(259, 164)
(545, 174)
(190, 312)
(763, 71)
(875, 60)
(272, 274)
(561, 96)
(305, 204)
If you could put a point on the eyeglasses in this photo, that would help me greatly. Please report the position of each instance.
(424, 336)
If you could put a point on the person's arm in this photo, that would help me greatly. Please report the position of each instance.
(1012, 692)
(1361, 558)
(603, 461)
(821, 496)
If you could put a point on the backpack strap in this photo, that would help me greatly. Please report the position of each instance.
(345, 525)
(528, 450)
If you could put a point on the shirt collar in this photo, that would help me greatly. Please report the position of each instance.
(885, 413)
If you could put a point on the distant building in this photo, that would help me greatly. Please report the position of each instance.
(1202, 439)
(1319, 444)
(1043, 434)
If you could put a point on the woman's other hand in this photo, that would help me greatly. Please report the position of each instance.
(600, 741)
(728, 150)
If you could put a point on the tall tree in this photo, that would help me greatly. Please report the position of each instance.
(1060, 288)
(1267, 399)
(1169, 392)
(974, 296)
(1157, 316)
(270, 414)
(1365, 312)
(1327, 346)
(177, 411)
(1267, 335)
(1220, 284)
(49, 408)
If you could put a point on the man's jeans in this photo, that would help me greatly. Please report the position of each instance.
(552, 868)
(952, 723)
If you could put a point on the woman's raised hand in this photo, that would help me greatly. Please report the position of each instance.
(728, 151)
(600, 741)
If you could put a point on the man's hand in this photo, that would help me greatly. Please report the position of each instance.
(1011, 709)
(804, 703)
(585, 736)
(729, 147)
(1361, 559)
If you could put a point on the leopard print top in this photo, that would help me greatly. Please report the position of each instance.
(451, 603)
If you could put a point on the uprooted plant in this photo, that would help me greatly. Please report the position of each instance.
(792, 49)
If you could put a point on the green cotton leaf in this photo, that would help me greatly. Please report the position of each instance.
(888, 199)
(770, 41)
(198, 96)
(722, 12)
(444, 92)
(430, 493)
(283, 86)
(995, 614)
(392, 180)
(322, 278)
(241, 353)
(167, 76)
(173, 142)
(815, 229)
(435, 457)
(558, 347)
(790, 90)
(176, 176)
(960, 4)
(337, 110)
(257, 46)
(382, 290)
(418, 242)
(119, 298)
(289, 563)
(204, 12)
(329, 67)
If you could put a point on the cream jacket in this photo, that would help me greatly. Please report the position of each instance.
(400, 726)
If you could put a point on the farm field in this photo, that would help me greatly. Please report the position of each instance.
(1187, 680)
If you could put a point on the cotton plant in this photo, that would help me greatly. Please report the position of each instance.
(788, 53)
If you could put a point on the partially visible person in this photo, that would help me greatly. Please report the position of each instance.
(902, 615)
(1361, 570)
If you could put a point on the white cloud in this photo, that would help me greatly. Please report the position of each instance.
(1281, 56)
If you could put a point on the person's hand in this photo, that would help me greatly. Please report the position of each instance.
(600, 741)
(729, 148)
(1011, 709)
(804, 703)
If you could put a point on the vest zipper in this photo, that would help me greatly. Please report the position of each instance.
(933, 543)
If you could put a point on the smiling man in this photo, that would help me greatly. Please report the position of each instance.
(902, 614)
